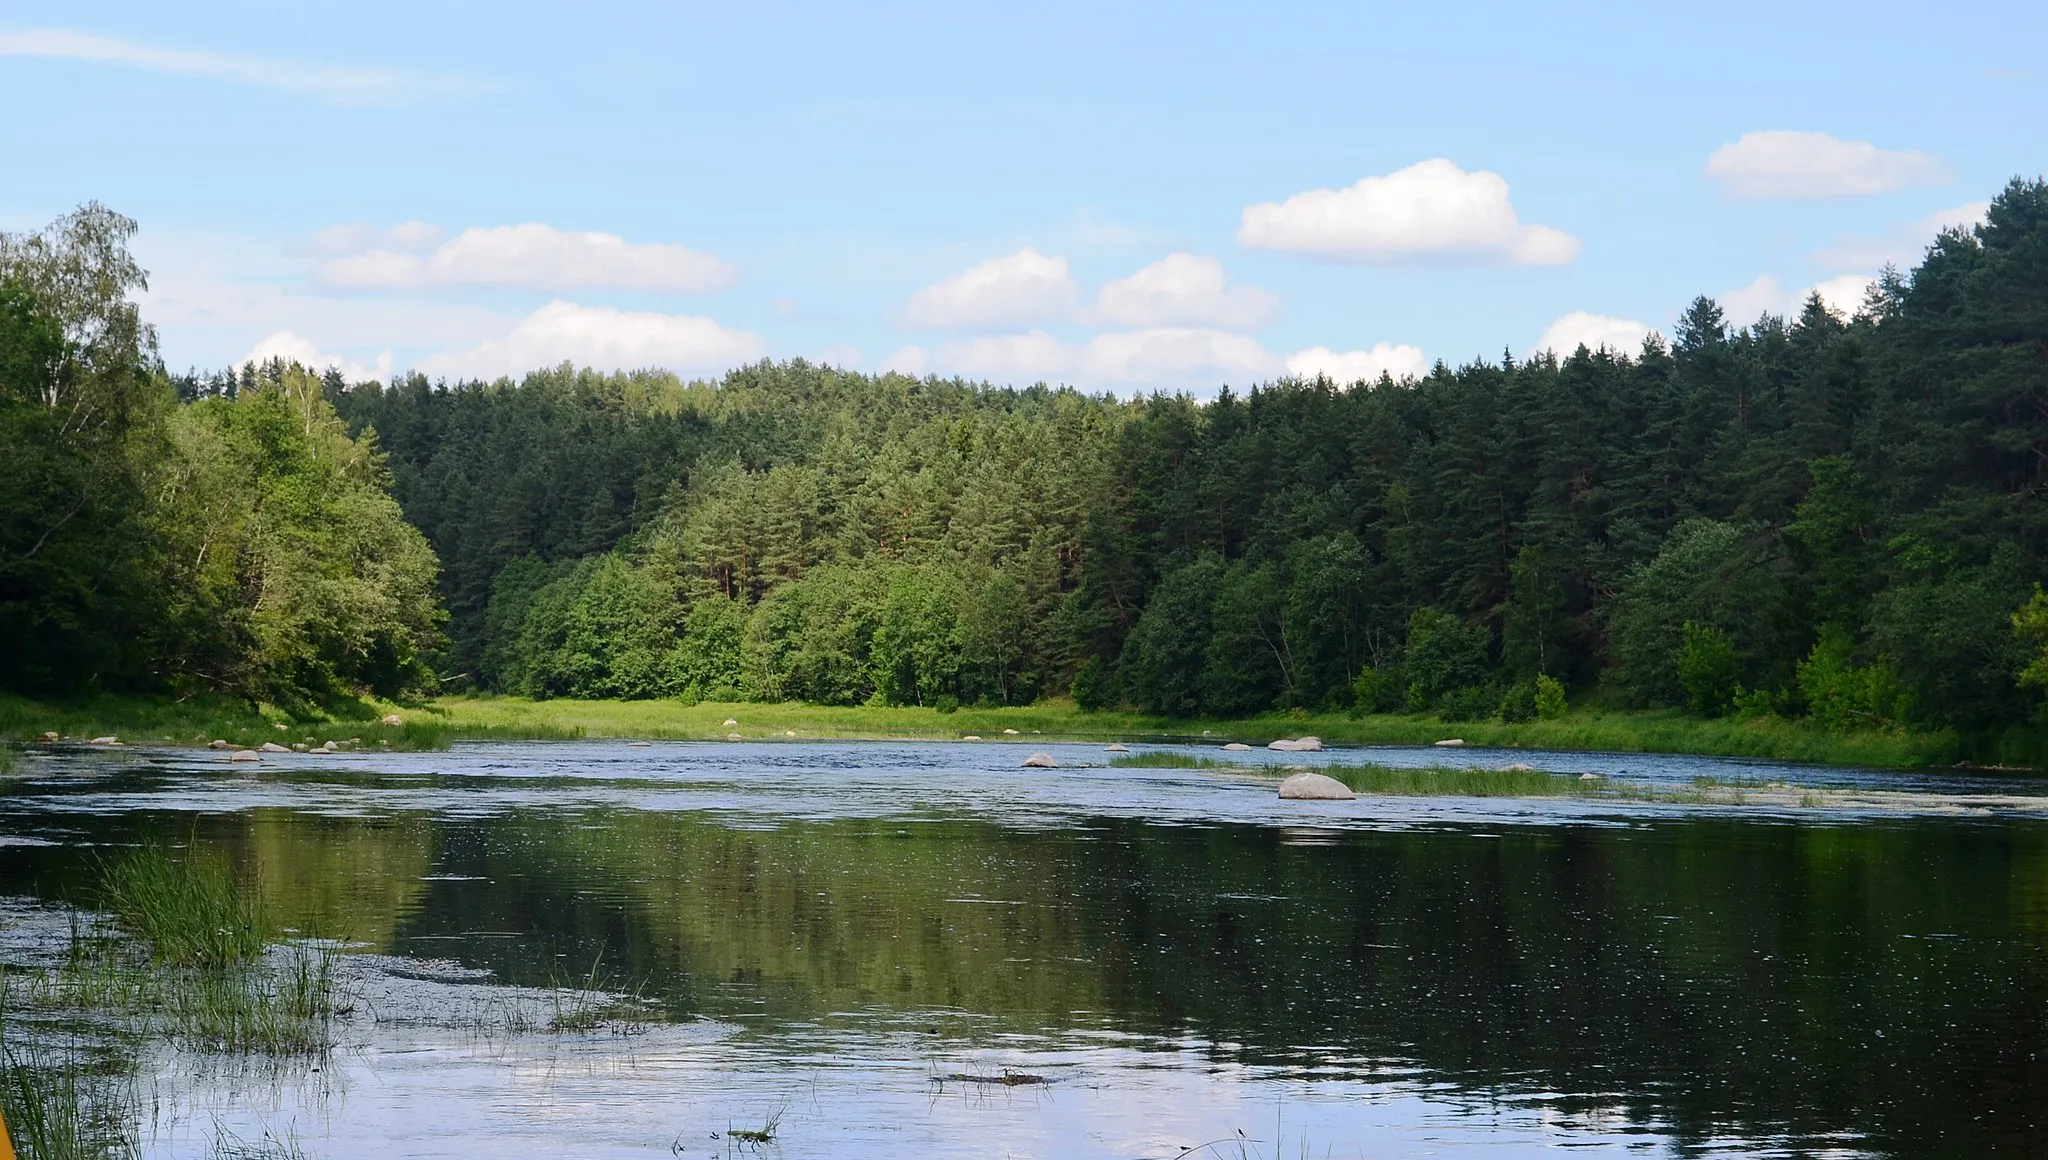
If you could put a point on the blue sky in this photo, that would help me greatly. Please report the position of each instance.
(1126, 197)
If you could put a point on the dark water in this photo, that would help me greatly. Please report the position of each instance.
(830, 926)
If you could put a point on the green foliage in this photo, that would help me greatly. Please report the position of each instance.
(1709, 670)
(188, 907)
(1445, 658)
(1092, 689)
(1840, 694)
(1171, 640)
(1549, 698)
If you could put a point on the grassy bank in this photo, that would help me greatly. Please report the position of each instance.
(438, 723)
(1653, 731)
(198, 720)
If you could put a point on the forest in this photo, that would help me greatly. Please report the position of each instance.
(1827, 517)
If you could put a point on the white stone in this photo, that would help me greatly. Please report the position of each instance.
(1450, 743)
(216, 744)
(300, 746)
(1237, 747)
(107, 740)
(1297, 745)
(729, 722)
(734, 737)
(389, 719)
(242, 755)
(970, 737)
(1589, 777)
(1315, 787)
(1116, 747)
(1039, 761)
(273, 747)
(1009, 732)
(47, 735)
(640, 744)
(1518, 767)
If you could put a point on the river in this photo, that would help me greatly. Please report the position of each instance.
(854, 939)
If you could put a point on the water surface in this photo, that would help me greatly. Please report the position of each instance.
(832, 930)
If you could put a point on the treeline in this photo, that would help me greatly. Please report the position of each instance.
(1833, 517)
(1816, 515)
(243, 545)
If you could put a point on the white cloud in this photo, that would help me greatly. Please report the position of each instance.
(1753, 301)
(605, 338)
(1015, 290)
(1623, 336)
(1009, 358)
(1432, 209)
(342, 86)
(1345, 367)
(1175, 357)
(533, 256)
(1159, 357)
(1902, 245)
(1183, 289)
(291, 348)
(1785, 163)
(1842, 294)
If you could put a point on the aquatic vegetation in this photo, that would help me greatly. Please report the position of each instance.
(268, 1146)
(1172, 759)
(57, 1109)
(187, 906)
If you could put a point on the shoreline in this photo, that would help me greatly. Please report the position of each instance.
(440, 722)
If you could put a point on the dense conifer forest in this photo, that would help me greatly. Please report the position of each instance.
(1839, 518)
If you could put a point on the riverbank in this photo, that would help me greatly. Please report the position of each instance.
(438, 723)
(1649, 731)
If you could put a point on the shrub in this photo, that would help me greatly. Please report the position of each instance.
(1550, 702)
(1708, 669)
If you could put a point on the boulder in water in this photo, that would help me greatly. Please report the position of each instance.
(1297, 745)
(216, 744)
(244, 755)
(970, 737)
(1116, 747)
(1237, 747)
(1009, 732)
(274, 747)
(110, 739)
(1589, 777)
(1518, 767)
(1040, 761)
(47, 735)
(1450, 743)
(1315, 787)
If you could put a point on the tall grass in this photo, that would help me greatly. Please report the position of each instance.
(59, 1111)
(1173, 759)
(187, 906)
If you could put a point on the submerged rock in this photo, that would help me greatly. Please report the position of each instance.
(1116, 747)
(1315, 787)
(107, 740)
(273, 747)
(1040, 761)
(1450, 743)
(1237, 747)
(242, 755)
(216, 744)
(1518, 767)
(1297, 745)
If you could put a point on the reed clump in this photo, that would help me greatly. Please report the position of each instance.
(188, 907)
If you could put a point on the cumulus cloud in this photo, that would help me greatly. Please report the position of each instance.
(1842, 294)
(1183, 289)
(291, 348)
(341, 86)
(1194, 358)
(604, 338)
(1175, 357)
(1351, 366)
(532, 256)
(1902, 245)
(1015, 290)
(1784, 163)
(1430, 210)
(1622, 336)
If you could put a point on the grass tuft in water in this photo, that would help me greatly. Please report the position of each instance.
(57, 1110)
(268, 1146)
(762, 1135)
(1170, 759)
(188, 907)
